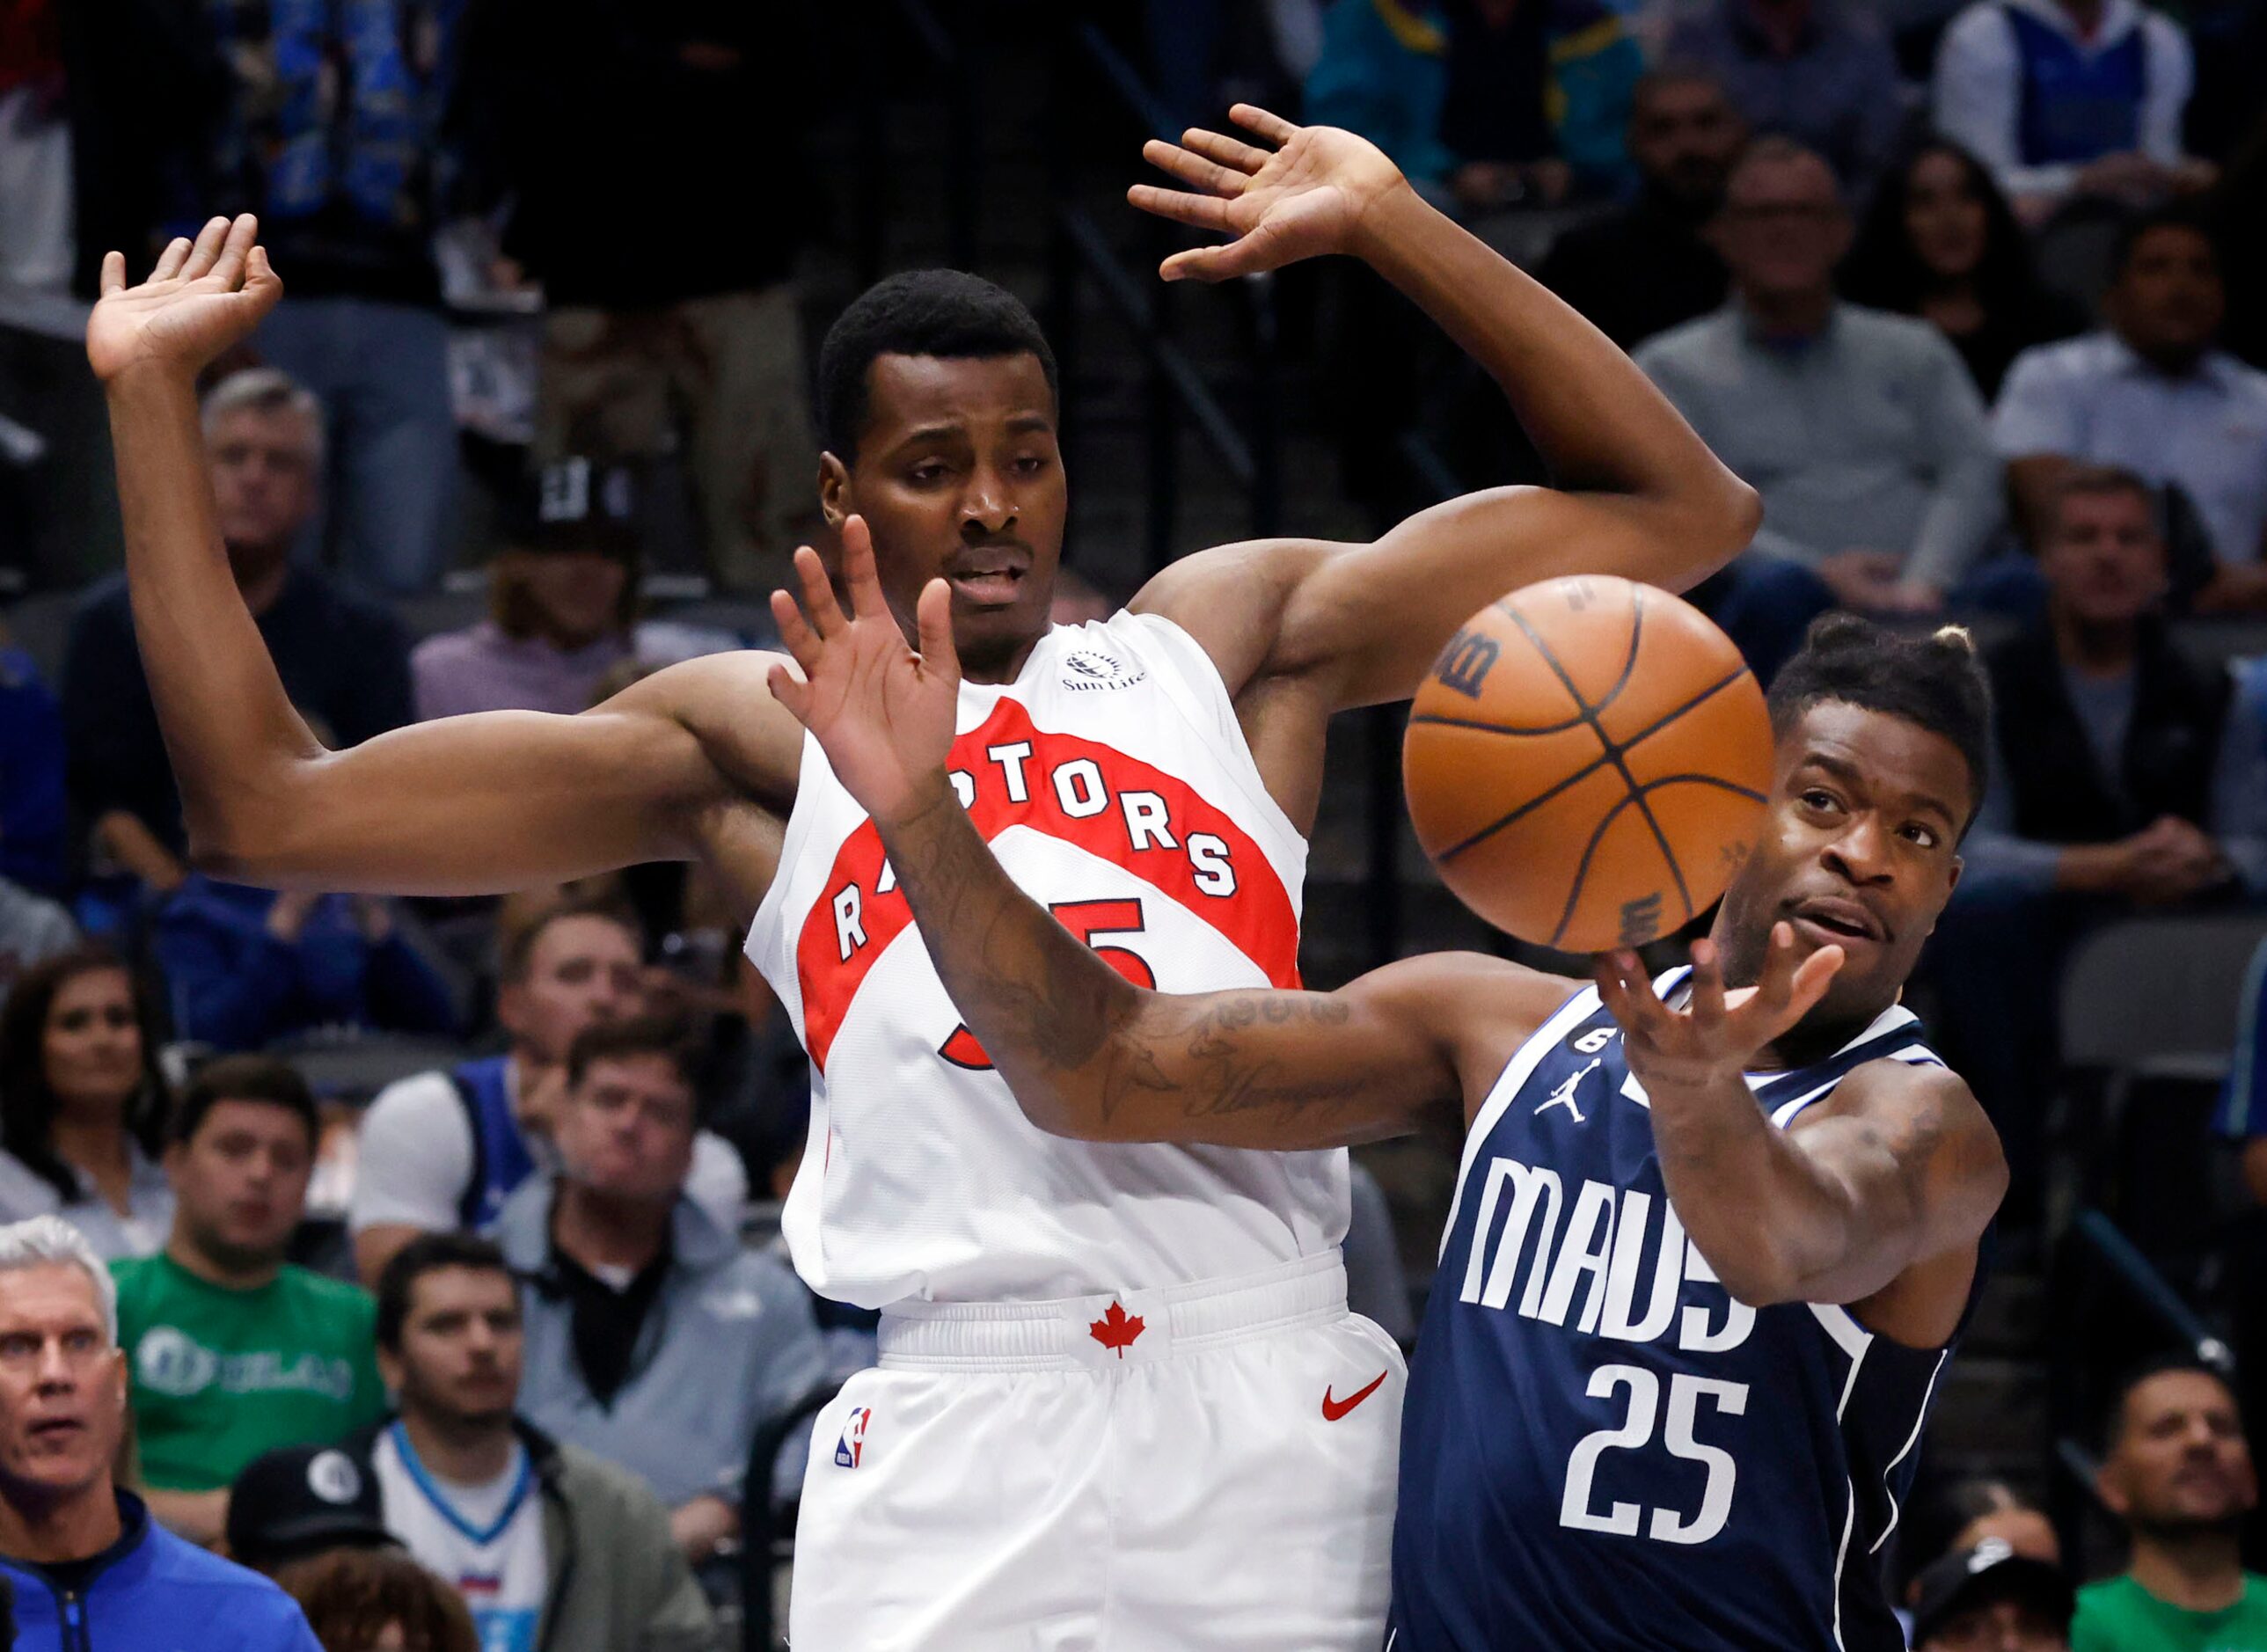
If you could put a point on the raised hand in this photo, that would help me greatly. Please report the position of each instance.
(1304, 197)
(1717, 1034)
(202, 298)
(883, 714)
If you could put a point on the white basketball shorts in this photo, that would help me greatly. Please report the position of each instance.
(1206, 1468)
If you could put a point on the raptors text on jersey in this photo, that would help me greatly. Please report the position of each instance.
(1112, 781)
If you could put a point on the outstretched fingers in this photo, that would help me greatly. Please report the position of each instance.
(790, 690)
(1787, 988)
(1229, 151)
(1706, 1003)
(1266, 122)
(1194, 169)
(114, 274)
(234, 260)
(795, 631)
(205, 251)
(1626, 991)
(1203, 212)
(866, 599)
(818, 605)
(170, 261)
(933, 624)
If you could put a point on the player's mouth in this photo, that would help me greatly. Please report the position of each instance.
(1838, 921)
(989, 576)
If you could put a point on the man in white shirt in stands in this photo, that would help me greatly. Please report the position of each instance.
(443, 1150)
(2151, 393)
(2063, 98)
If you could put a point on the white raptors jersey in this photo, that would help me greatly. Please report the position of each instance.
(1113, 782)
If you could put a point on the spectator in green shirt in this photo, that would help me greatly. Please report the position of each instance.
(234, 1352)
(2178, 1473)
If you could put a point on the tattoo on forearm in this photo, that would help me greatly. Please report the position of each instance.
(1037, 992)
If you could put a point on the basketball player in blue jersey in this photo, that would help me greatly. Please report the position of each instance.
(1715, 1233)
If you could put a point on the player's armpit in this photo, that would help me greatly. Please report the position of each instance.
(1920, 1171)
(498, 801)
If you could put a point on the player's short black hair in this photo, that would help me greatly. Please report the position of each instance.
(261, 1078)
(2173, 214)
(427, 1253)
(1936, 682)
(2183, 1361)
(946, 312)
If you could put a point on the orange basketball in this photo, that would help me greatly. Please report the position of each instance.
(1586, 763)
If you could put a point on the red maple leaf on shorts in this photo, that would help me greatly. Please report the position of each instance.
(1116, 1329)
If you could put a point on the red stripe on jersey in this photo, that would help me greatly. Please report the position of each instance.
(1255, 916)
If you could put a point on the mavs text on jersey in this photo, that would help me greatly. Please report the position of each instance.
(1602, 1449)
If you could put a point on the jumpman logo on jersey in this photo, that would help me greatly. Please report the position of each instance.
(1564, 1096)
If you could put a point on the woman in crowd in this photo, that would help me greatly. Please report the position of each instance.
(379, 1600)
(562, 606)
(83, 1104)
(1940, 242)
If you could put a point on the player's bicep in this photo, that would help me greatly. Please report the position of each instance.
(493, 800)
(1920, 1166)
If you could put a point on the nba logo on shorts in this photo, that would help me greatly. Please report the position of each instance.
(852, 1445)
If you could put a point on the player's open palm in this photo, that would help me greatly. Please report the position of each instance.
(1717, 1035)
(1302, 198)
(204, 296)
(883, 713)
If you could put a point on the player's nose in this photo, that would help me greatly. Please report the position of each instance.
(1861, 851)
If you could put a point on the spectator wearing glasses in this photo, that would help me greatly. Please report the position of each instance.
(1861, 430)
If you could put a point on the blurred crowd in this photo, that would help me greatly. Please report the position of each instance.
(447, 1224)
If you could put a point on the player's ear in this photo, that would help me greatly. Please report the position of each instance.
(836, 502)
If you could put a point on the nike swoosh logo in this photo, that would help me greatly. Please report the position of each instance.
(1333, 1409)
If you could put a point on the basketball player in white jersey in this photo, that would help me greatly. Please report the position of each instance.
(985, 1487)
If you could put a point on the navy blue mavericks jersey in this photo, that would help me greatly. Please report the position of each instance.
(1601, 1450)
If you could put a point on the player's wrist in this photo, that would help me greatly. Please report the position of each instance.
(1382, 223)
(919, 799)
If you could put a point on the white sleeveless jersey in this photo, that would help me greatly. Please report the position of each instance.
(1112, 781)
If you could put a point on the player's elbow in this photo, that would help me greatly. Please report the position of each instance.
(1713, 519)
(239, 836)
(1724, 524)
(1760, 1274)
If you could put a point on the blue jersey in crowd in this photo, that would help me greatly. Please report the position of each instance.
(2077, 104)
(1601, 1450)
(151, 1591)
